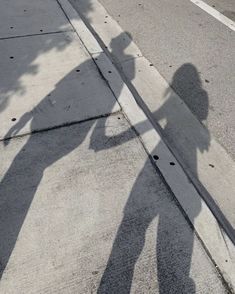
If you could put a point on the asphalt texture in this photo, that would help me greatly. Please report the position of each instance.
(226, 7)
(173, 33)
(83, 210)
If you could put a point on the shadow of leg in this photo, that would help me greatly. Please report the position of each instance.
(127, 247)
(174, 252)
(17, 190)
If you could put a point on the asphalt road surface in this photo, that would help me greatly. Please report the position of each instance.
(172, 33)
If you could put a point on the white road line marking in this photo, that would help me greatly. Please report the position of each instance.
(216, 14)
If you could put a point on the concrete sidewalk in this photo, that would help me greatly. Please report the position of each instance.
(82, 207)
(195, 147)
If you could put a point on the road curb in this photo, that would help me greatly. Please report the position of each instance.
(216, 242)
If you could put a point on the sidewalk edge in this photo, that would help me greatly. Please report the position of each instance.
(216, 242)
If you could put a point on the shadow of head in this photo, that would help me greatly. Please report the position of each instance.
(120, 43)
(119, 52)
(187, 83)
(84, 7)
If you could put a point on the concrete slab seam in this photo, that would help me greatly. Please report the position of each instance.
(39, 34)
(149, 89)
(68, 124)
(80, 27)
(218, 245)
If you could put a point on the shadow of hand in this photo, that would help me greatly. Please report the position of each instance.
(14, 130)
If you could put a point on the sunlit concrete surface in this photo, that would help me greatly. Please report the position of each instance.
(82, 209)
(27, 17)
(180, 118)
(90, 214)
(47, 81)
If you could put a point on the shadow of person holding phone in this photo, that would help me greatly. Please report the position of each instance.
(20, 182)
(175, 240)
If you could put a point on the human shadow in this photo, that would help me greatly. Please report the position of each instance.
(187, 81)
(174, 244)
(77, 95)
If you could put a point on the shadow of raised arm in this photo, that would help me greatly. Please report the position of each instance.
(115, 140)
(14, 130)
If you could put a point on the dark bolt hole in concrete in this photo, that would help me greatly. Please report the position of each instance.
(172, 163)
(13, 119)
(155, 157)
